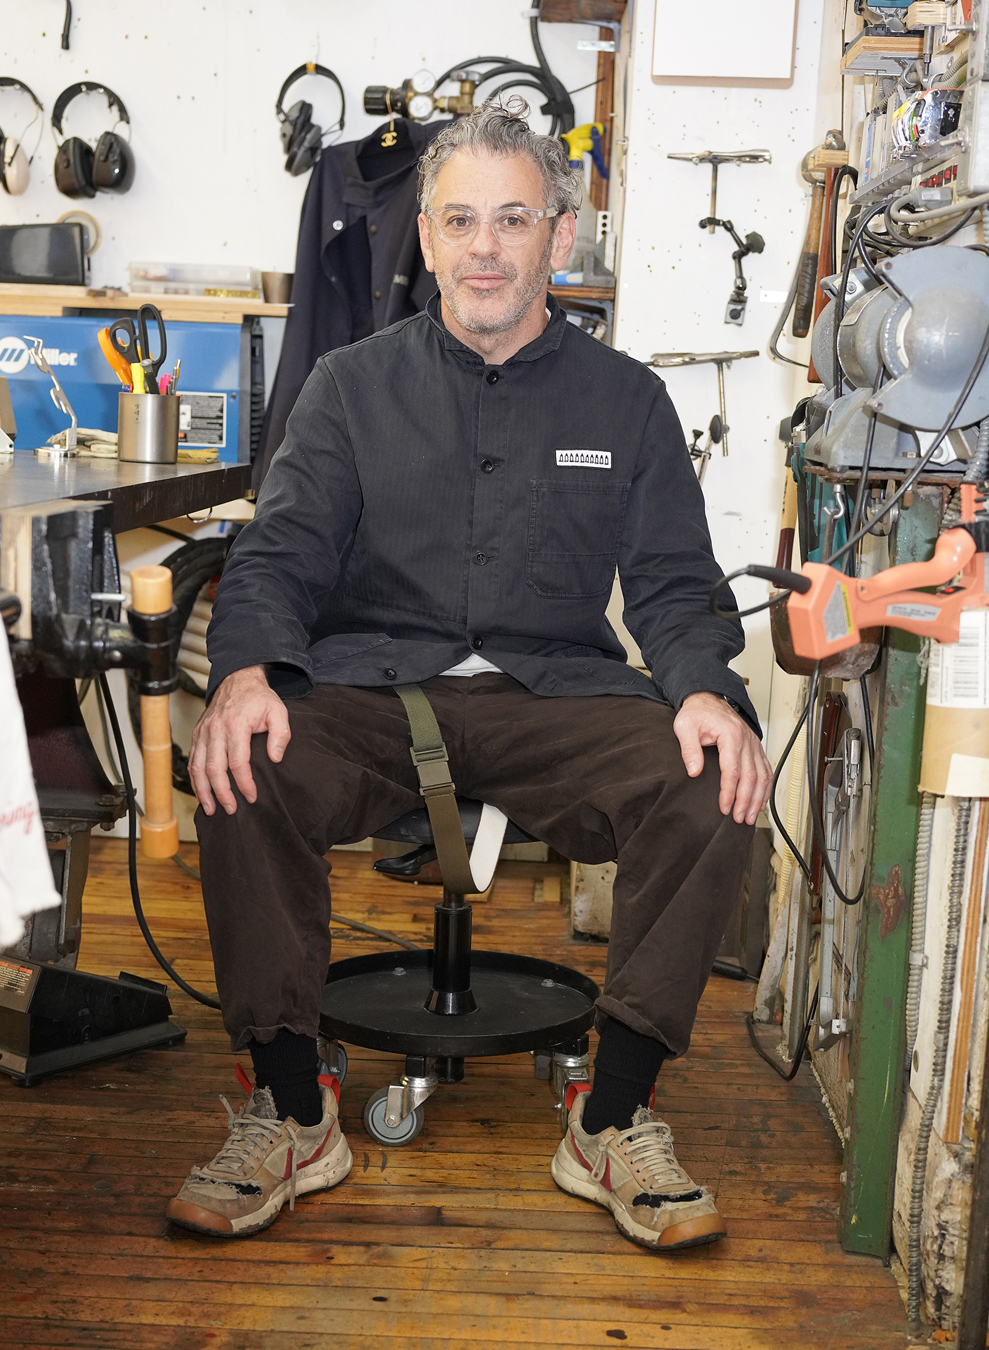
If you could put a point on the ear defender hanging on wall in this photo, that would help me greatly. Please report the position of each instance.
(15, 165)
(79, 170)
(302, 139)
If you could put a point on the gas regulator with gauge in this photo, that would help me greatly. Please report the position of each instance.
(416, 97)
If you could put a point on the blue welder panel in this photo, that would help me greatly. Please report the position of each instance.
(210, 356)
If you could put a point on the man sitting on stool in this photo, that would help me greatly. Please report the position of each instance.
(448, 508)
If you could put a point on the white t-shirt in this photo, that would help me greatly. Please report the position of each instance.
(474, 665)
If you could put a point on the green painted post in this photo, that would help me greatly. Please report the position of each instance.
(878, 1033)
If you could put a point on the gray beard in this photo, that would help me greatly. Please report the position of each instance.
(525, 288)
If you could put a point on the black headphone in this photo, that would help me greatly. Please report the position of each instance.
(14, 163)
(302, 139)
(81, 172)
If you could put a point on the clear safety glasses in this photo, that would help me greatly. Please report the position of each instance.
(512, 225)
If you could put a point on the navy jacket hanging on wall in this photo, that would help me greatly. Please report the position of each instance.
(358, 264)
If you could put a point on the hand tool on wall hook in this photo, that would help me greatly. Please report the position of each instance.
(752, 243)
(716, 158)
(702, 453)
(665, 360)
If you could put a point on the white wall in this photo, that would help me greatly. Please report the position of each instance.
(200, 80)
(676, 278)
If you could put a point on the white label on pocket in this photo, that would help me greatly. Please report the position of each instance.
(584, 459)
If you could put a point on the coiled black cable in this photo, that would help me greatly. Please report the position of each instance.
(558, 106)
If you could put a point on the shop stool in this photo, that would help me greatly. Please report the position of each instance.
(443, 1006)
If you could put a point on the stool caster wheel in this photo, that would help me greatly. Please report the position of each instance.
(562, 1111)
(332, 1058)
(377, 1127)
(570, 1065)
(542, 1063)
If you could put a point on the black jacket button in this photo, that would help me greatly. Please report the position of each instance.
(487, 466)
(492, 377)
(480, 559)
(390, 674)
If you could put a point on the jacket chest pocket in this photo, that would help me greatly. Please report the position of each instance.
(574, 533)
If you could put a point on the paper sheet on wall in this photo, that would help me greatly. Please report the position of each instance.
(25, 873)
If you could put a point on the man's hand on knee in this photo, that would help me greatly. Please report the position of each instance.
(244, 705)
(746, 774)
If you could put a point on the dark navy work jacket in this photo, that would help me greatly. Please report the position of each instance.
(358, 265)
(425, 505)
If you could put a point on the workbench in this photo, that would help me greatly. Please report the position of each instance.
(73, 790)
(142, 494)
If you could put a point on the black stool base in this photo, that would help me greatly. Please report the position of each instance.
(378, 1002)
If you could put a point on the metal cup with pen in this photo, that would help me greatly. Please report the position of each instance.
(148, 412)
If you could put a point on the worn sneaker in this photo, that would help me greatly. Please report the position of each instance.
(635, 1174)
(264, 1162)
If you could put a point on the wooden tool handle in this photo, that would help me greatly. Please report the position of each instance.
(803, 309)
(152, 594)
(788, 523)
(825, 262)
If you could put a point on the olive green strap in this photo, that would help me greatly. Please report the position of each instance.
(432, 762)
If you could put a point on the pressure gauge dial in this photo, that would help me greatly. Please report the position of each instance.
(420, 107)
(422, 82)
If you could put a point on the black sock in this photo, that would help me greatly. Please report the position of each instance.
(288, 1065)
(625, 1069)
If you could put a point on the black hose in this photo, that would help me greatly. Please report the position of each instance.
(870, 734)
(787, 1076)
(798, 856)
(859, 510)
(845, 171)
(132, 856)
(539, 77)
(564, 119)
(517, 84)
(817, 819)
(839, 302)
(382, 933)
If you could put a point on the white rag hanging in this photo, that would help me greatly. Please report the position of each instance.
(25, 873)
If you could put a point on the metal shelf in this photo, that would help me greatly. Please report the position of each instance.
(899, 175)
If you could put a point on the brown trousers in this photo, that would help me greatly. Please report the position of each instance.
(597, 779)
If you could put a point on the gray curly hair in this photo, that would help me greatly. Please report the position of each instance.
(498, 128)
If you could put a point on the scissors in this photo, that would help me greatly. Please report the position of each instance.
(132, 343)
(117, 363)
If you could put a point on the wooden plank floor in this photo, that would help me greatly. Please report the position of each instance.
(459, 1240)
